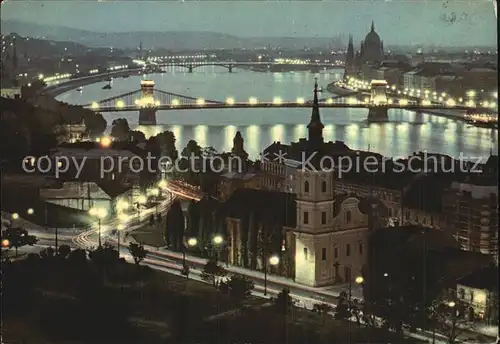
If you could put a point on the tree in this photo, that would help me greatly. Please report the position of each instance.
(95, 123)
(175, 223)
(324, 309)
(193, 222)
(192, 149)
(64, 251)
(104, 256)
(137, 136)
(47, 253)
(190, 162)
(120, 129)
(166, 144)
(238, 287)
(356, 310)
(283, 303)
(78, 257)
(212, 272)
(18, 237)
(448, 316)
(342, 310)
(138, 252)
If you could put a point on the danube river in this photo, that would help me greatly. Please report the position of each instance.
(406, 131)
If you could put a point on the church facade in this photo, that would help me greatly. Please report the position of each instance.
(323, 233)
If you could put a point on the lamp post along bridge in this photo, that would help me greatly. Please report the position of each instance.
(148, 100)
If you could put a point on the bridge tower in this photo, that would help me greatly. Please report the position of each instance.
(378, 101)
(147, 111)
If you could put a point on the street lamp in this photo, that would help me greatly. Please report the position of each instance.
(191, 242)
(99, 213)
(154, 192)
(273, 261)
(217, 240)
(122, 205)
(358, 280)
(30, 211)
(162, 184)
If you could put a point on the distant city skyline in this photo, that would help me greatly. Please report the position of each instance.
(433, 22)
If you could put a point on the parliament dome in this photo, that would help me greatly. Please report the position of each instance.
(372, 38)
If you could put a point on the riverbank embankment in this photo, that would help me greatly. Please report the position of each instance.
(70, 84)
(448, 113)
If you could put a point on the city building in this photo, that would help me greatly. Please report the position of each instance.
(72, 133)
(423, 77)
(83, 195)
(323, 235)
(12, 92)
(231, 181)
(479, 292)
(471, 210)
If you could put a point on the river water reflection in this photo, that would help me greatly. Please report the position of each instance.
(406, 131)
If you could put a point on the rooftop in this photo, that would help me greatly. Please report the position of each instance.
(239, 176)
(486, 278)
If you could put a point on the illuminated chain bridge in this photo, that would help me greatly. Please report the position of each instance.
(148, 100)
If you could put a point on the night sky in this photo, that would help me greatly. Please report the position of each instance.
(456, 23)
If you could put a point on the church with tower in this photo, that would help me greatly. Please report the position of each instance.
(371, 51)
(324, 232)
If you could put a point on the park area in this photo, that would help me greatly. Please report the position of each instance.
(75, 296)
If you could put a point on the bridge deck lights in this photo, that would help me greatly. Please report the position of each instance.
(200, 101)
(120, 104)
(175, 102)
(450, 103)
(252, 100)
(95, 106)
(230, 101)
(403, 102)
(277, 101)
(426, 102)
(329, 101)
(157, 103)
(300, 100)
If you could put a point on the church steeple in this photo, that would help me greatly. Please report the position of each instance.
(350, 52)
(315, 126)
(373, 27)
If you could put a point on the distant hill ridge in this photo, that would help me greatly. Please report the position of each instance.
(180, 40)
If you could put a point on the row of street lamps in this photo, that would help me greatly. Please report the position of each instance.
(218, 240)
